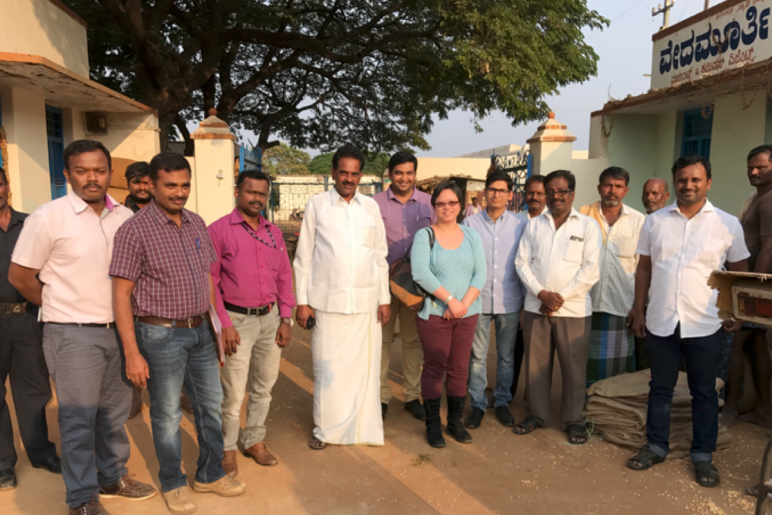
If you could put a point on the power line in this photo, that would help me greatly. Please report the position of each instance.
(611, 23)
(684, 10)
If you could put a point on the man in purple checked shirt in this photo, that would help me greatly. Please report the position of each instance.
(404, 210)
(253, 284)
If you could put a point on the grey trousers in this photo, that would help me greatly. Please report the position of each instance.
(94, 395)
(570, 337)
(254, 369)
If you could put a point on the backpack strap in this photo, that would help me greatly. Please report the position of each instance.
(431, 238)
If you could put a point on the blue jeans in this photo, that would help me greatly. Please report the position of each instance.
(702, 356)
(178, 356)
(506, 334)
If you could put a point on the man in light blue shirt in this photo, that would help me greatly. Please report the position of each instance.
(502, 300)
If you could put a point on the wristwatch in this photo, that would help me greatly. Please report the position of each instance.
(288, 320)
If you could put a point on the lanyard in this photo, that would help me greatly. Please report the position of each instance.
(258, 238)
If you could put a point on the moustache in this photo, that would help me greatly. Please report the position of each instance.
(92, 185)
(349, 184)
(175, 199)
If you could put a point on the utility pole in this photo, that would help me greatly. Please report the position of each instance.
(707, 5)
(666, 12)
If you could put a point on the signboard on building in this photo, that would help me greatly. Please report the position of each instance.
(728, 36)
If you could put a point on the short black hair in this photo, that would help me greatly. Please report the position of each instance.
(561, 174)
(82, 146)
(252, 174)
(401, 158)
(498, 175)
(684, 161)
(761, 149)
(533, 178)
(351, 151)
(138, 170)
(446, 185)
(3, 175)
(615, 172)
(168, 162)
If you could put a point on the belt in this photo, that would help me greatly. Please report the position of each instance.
(13, 308)
(186, 323)
(108, 325)
(261, 311)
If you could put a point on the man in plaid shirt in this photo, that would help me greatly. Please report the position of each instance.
(162, 290)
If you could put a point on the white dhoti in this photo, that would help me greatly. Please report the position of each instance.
(346, 350)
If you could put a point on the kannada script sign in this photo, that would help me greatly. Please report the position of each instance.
(730, 38)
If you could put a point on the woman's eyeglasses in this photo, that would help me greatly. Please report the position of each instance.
(451, 203)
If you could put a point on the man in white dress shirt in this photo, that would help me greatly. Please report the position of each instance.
(679, 246)
(558, 264)
(612, 350)
(343, 283)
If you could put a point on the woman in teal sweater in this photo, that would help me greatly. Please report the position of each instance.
(453, 271)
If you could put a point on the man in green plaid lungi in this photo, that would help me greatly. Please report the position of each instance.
(612, 348)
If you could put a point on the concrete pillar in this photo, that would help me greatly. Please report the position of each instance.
(24, 120)
(213, 172)
(551, 147)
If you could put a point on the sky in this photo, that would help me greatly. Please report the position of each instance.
(624, 49)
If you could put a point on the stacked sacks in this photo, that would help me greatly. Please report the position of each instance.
(617, 406)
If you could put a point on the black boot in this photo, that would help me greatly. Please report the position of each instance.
(433, 423)
(455, 427)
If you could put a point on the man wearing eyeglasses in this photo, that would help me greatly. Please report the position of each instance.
(558, 262)
(252, 279)
(502, 299)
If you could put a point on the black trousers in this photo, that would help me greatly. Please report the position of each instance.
(21, 358)
(519, 351)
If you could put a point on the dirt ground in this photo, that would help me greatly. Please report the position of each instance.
(499, 472)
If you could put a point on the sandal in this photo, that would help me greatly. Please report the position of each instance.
(526, 426)
(644, 460)
(576, 434)
(753, 490)
(316, 444)
(706, 474)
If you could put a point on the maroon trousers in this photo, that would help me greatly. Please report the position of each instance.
(447, 346)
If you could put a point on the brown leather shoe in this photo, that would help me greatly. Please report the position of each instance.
(229, 464)
(128, 488)
(260, 453)
(90, 508)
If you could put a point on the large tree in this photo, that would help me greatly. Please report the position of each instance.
(285, 160)
(317, 73)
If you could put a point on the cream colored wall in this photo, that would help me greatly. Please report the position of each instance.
(214, 197)
(129, 135)
(735, 132)
(39, 27)
(192, 204)
(444, 166)
(24, 120)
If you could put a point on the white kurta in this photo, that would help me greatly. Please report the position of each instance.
(341, 272)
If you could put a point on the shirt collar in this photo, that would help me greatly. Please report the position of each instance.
(336, 196)
(391, 196)
(79, 205)
(502, 218)
(622, 211)
(236, 218)
(162, 218)
(706, 208)
(573, 214)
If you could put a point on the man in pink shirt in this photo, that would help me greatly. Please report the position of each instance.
(67, 243)
(253, 285)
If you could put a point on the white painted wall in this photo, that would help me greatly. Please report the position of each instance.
(214, 196)
(40, 27)
(24, 120)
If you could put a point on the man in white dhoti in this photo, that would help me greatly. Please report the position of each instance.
(343, 283)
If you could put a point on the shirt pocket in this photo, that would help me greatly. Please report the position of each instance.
(573, 251)
(625, 251)
(366, 233)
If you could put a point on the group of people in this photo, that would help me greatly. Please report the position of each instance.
(127, 292)
(606, 288)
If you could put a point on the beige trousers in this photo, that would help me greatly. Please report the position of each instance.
(412, 354)
(570, 337)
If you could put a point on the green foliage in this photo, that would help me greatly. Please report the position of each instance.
(285, 160)
(321, 164)
(318, 73)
